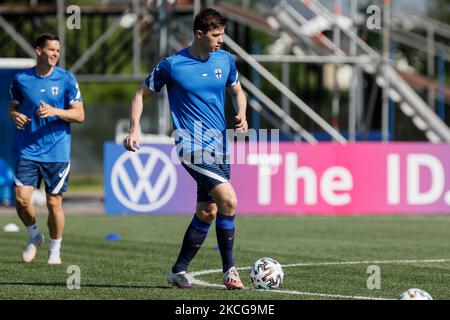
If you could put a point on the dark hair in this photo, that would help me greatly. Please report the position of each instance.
(208, 19)
(42, 38)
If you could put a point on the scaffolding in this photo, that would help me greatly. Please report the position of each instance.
(121, 40)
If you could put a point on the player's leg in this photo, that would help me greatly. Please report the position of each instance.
(56, 177)
(225, 197)
(27, 177)
(193, 239)
(24, 207)
(206, 211)
(56, 219)
(55, 225)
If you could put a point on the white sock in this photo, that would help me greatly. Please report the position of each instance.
(33, 230)
(55, 245)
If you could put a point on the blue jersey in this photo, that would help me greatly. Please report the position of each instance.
(196, 90)
(47, 139)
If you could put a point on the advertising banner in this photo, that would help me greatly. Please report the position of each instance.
(293, 178)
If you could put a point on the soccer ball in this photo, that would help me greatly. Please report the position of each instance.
(266, 273)
(415, 294)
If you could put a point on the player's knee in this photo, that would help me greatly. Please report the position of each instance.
(229, 204)
(209, 213)
(207, 217)
(22, 201)
(54, 203)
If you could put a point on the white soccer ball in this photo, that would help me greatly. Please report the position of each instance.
(266, 273)
(415, 294)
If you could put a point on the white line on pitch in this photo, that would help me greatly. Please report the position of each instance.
(300, 293)
(207, 284)
(318, 264)
(314, 264)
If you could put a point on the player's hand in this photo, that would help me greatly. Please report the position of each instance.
(46, 110)
(241, 125)
(131, 142)
(21, 120)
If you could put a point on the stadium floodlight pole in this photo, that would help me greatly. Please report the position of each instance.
(385, 63)
(61, 32)
(17, 37)
(286, 91)
(294, 125)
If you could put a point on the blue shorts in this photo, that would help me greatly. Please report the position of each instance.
(54, 174)
(207, 176)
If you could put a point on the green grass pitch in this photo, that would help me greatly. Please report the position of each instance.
(335, 252)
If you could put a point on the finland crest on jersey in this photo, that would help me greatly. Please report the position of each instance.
(55, 90)
(218, 73)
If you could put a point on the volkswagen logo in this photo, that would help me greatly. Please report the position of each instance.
(145, 180)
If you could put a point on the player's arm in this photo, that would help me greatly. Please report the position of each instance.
(241, 100)
(75, 113)
(137, 104)
(20, 120)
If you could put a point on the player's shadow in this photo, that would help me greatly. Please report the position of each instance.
(60, 284)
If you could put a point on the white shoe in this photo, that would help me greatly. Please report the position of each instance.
(29, 253)
(54, 257)
(179, 280)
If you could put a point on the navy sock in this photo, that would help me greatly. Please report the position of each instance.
(193, 239)
(225, 226)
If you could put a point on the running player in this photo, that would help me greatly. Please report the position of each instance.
(44, 101)
(196, 78)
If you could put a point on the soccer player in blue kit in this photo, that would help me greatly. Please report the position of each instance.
(196, 78)
(45, 99)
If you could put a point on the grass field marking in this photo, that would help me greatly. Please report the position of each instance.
(311, 294)
(300, 293)
(318, 264)
(314, 264)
